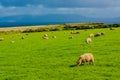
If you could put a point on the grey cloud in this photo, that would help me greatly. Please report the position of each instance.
(39, 10)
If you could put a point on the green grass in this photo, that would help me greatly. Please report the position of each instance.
(34, 58)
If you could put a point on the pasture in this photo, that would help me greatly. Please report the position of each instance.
(34, 58)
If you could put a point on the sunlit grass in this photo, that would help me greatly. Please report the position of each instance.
(34, 58)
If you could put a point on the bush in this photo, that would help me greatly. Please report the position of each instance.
(59, 27)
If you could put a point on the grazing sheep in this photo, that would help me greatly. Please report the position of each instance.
(87, 57)
(91, 35)
(74, 32)
(1, 39)
(88, 40)
(98, 34)
(45, 35)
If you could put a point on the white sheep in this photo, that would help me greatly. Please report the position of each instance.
(45, 35)
(88, 40)
(87, 57)
(97, 34)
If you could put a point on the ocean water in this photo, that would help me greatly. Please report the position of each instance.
(13, 24)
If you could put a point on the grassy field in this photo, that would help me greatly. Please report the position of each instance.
(34, 58)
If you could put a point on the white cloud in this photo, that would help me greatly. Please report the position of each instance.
(108, 12)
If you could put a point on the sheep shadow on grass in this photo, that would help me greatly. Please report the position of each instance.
(74, 65)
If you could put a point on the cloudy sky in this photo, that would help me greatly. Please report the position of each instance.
(102, 9)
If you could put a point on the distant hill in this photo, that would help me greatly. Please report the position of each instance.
(50, 19)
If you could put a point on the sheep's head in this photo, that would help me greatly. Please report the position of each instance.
(78, 61)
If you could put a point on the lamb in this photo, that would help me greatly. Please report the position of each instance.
(87, 57)
(88, 40)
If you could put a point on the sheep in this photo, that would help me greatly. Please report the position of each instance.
(87, 57)
(98, 34)
(91, 35)
(45, 35)
(88, 40)
(1, 39)
(74, 32)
